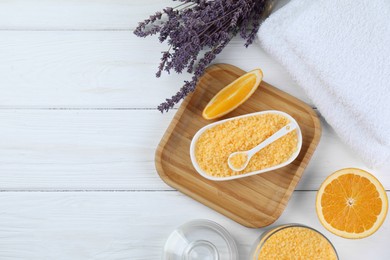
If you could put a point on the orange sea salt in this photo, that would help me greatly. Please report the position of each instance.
(238, 160)
(214, 146)
(295, 242)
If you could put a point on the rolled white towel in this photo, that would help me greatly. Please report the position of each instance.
(339, 53)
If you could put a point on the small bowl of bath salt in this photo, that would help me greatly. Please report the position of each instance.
(212, 145)
(293, 241)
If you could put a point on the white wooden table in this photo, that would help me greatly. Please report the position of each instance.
(78, 130)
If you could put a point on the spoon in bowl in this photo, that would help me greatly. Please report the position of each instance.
(238, 161)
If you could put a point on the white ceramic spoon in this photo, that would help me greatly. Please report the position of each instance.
(248, 154)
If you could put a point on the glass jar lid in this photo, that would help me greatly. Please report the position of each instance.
(200, 240)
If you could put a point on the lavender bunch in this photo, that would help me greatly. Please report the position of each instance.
(196, 25)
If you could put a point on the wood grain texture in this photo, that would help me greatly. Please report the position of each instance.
(254, 201)
(106, 69)
(114, 150)
(135, 225)
(88, 149)
(80, 14)
(77, 14)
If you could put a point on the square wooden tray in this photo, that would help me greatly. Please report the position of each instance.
(254, 201)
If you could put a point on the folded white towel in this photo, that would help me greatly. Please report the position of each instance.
(339, 53)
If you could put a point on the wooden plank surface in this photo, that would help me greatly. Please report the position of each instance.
(80, 14)
(77, 14)
(104, 69)
(113, 149)
(135, 225)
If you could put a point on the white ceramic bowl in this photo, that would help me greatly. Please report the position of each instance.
(201, 131)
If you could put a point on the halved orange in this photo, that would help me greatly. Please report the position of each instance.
(233, 95)
(351, 203)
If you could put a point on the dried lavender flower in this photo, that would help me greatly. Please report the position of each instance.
(197, 25)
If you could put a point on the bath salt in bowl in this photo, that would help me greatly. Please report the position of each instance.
(212, 145)
(293, 241)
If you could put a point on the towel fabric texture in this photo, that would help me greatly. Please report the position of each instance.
(339, 53)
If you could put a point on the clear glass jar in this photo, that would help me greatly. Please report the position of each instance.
(200, 240)
(264, 238)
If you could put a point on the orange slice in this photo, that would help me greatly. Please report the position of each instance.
(233, 95)
(351, 203)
